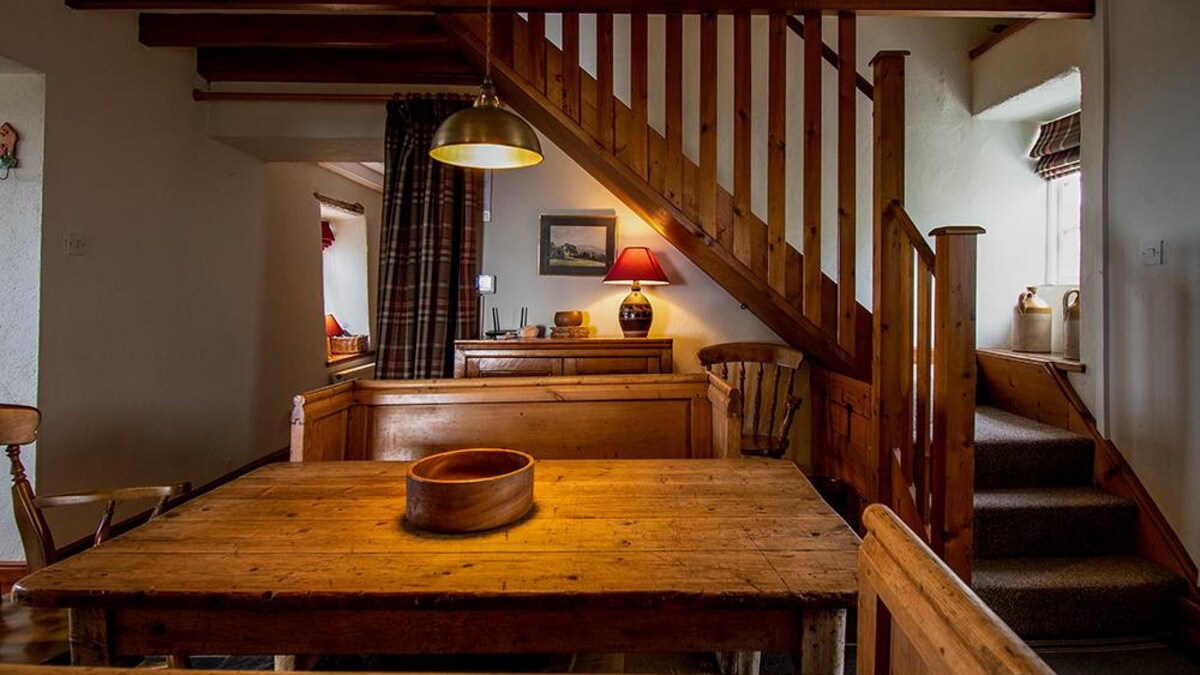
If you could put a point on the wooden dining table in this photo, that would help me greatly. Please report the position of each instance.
(616, 556)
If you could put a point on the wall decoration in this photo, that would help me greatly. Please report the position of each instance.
(577, 246)
(8, 149)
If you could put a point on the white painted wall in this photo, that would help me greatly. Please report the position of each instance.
(1043, 52)
(22, 103)
(1153, 148)
(148, 342)
(344, 274)
(292, 306)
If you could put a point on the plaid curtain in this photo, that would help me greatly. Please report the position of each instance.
(429, 245)
(1057, 147)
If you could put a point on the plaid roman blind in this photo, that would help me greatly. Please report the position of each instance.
(1057, 147)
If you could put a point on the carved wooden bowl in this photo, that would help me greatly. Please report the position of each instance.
(469, 490)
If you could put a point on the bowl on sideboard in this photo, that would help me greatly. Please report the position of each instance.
(569, 318)
(469, 490)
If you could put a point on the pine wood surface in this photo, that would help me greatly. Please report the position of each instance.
(916, 616)
(630, 555)
(593, 417)
(618, 534)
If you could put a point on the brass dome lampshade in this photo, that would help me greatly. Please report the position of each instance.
(486, 136)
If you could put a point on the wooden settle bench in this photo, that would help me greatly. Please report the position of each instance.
(596, 417)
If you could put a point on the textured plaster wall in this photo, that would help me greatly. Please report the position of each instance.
(1153, 312)
(22, 103)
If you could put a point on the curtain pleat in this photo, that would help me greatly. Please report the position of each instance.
(1057, 147)
(429, 245)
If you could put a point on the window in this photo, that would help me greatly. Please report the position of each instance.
(1063, 230)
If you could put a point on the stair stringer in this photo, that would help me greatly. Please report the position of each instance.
(680, 229)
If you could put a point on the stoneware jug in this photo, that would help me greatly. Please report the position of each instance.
(1071, 324)
(1032, 319)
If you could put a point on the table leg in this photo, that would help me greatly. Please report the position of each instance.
(91, 637)
(822, 642)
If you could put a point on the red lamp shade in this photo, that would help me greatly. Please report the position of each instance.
(636, 263)
(327, 237)
(332, 327)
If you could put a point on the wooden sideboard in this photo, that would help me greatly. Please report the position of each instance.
(537, 357)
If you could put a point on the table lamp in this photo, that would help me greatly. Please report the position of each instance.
(332, 327)
(636, 264)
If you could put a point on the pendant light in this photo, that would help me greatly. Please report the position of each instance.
(486, 136)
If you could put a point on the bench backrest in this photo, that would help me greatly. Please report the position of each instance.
(916, 616)
(595, 417)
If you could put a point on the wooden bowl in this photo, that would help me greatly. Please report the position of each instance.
(469, 490)
(571, 318)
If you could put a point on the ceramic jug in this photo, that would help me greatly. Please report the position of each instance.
(1032, 319)
(1071, 305)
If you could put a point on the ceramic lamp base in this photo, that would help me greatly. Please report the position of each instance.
(635, 315)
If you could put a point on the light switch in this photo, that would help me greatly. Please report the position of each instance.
(485, 284)
(1152, 252)
(75, 244)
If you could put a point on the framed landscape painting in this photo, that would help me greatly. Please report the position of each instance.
(577, 246)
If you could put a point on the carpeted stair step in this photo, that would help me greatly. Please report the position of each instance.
(1013, 451)
(1077, 597)
(1072, 521)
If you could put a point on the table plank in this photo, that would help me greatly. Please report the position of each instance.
(703, 534)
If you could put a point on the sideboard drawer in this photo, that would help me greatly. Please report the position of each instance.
(541, 357)
(513, 367)
(611, 365)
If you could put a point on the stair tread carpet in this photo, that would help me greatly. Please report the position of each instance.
(1014, 451)
(1077, 597)
(1060, 521)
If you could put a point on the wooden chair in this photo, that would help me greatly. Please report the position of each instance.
(916, 616)
(771, 372)
(19, 426)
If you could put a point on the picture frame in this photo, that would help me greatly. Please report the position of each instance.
(577, 246)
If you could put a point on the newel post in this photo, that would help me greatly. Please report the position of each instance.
(953, 449)
(891, 359)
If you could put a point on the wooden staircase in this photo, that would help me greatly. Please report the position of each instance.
(682, 199)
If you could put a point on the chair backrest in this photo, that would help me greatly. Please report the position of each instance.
(19, 426)
(916, 616)
(766, 376)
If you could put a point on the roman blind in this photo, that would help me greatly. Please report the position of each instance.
(1057, 147)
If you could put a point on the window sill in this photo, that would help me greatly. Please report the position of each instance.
(1059, 361)
(341, 359)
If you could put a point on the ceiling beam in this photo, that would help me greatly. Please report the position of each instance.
(1034, 9)
(360, 31)
(351, 66)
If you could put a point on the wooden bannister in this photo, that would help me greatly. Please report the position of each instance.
(923, 394)
(683, 197)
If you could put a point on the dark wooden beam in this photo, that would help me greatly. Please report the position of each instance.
(1000, 36)
(360, 31)
(1033, 9)
(358, 66)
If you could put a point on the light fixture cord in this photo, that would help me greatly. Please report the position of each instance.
(487, 55)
